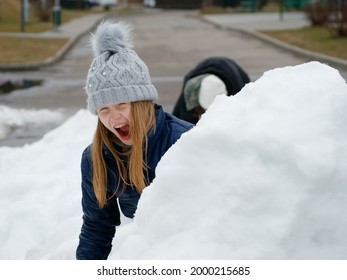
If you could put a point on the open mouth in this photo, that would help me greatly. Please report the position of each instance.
(123, 131)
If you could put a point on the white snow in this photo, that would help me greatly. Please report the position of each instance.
(261, 176)
(12, 119)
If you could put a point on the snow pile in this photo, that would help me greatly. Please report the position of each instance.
(261, 176)
(11, 119)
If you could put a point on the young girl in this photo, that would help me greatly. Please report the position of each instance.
(132, 135)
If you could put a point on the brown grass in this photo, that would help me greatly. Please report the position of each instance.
(28, 50)
(317, 39)
(25, 50)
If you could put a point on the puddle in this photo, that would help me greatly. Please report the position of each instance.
(7, 86)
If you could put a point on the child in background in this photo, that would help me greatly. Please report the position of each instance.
(211, 77)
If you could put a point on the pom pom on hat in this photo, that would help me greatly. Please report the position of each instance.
(116, 74)
(111, 36)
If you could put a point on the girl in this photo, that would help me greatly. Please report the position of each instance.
(132, 135)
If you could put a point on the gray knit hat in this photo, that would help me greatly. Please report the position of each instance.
(116, 74)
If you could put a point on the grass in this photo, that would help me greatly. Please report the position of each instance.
(317, 39)
(15, 50)
(28, 50)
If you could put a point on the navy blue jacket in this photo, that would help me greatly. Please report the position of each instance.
(99, 225)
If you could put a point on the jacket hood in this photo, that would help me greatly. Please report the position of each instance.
(224, 68)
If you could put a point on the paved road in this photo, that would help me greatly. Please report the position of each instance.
(170, 42)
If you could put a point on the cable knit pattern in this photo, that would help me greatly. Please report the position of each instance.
(117, 77)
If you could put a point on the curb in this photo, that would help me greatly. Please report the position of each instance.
(51, 60)
(306, 54)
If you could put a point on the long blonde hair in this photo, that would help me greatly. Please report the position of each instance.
(141, 123)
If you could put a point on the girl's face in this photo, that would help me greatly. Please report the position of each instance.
(116, 118)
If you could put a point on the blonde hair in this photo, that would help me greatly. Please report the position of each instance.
(141, 123)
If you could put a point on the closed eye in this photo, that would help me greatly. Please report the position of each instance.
(103, 109)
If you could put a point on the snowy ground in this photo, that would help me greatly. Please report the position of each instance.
(261, 176)
(21, 120)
